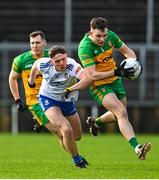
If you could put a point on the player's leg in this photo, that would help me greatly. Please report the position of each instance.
(74, 120)
(50, 127)
(69, 111)
(39, 117)
(113, 104)
(108, 117)
(98, 94)
(63, 127)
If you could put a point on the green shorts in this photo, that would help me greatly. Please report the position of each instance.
(116, 87)
(39, 114)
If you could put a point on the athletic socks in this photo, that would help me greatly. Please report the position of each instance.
(77, 159)
(134, 143)
(98, 122)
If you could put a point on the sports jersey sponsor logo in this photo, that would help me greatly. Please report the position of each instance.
(107, 58)
(104, 60)
(57, 84)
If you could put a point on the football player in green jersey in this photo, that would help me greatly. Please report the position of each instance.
(21, 68)
(96, 55)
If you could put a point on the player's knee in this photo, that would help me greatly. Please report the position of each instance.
(122, 113)
(67, 131)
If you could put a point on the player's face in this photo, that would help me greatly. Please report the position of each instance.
(98, 36)
(37, 45)
(60, 62)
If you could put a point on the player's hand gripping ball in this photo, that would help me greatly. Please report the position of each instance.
(130, 62)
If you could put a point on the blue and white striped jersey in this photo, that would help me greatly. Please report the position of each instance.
(54, 82)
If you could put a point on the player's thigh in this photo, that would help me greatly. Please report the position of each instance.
(124, 101)
(113, 104)
(53, 129)
(56, 118)
(74, 120)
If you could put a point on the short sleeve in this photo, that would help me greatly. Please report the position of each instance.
(86, 55)
(16, 65)
(116, 41)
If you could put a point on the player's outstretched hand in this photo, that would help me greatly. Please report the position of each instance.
(20, 105)
(66, 94)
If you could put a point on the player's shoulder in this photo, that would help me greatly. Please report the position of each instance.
(114, 39)
(86, 41)
(71, 63)
(22, 59)
(44, 63)
(70, 60)
(23, 56)
(44, 60)
(112, 34)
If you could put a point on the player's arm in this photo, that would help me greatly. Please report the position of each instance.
(83, 83)
(96, 75)
(86, 56)
(33, 73)
(13, 84)
(126, 51)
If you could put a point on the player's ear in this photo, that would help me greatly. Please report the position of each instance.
(45, 42)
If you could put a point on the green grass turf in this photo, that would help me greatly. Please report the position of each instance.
(110, 156)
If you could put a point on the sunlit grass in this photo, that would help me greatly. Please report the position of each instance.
(40, 156)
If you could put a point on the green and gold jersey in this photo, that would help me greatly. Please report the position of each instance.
(22, 64)
(91, 54)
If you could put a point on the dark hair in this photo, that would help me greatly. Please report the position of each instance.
(36, 33)
(99, 23)
(56, 50)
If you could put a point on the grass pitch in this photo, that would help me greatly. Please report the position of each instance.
(39, 156)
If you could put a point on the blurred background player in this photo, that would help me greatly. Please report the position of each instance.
(21, 69)
(96, 55)
(59, 72)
